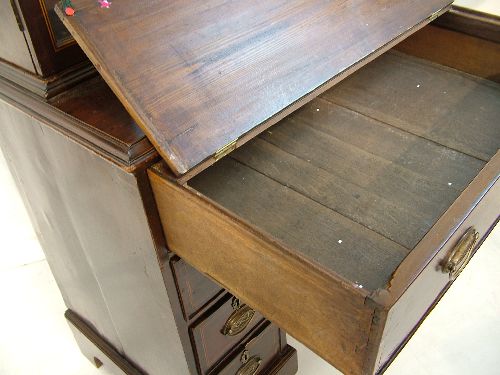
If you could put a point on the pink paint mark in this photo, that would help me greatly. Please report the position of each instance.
(104, 3)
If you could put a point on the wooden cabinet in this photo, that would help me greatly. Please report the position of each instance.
(34, 38)
(80, 163)
(195, 289)
(254, 162)
(37, 51)
(257, 354)
(355, 212)
(227, 325)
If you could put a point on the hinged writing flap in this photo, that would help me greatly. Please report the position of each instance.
(198, 75)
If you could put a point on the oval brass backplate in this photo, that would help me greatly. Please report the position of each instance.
(238, 321)
(251, 367)
(460, 255)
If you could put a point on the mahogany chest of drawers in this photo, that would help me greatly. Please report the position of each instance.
(133, 306)
(329, 167)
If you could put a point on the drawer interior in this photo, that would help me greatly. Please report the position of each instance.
(357, 177)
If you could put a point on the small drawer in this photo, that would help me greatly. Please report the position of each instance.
(219, 332)
(195, 289)
(256, 355)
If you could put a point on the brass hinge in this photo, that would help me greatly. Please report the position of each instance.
(224, 150)
(435, 15)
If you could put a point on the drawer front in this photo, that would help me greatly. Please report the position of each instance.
(195, 289)
(256, 354)
(350, 327)
(433, 281)
(218, 333)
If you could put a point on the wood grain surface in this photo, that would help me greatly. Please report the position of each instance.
(389, 182)
(198, 76)
(325, 312)
(195, 290)
(265, 345)
(93, 227)
(354, 189)
(49, 59)
(447, 107)
(105, 128)
(455, 49)
(210, 344)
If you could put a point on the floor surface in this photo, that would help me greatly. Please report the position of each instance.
(461, 335)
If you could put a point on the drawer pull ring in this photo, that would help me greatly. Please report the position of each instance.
(251, 367)
(238, 321)
(461, 253)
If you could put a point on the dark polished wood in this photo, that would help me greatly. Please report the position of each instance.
(196, 78)
(47, 87)
(38, 42)
(401, 346)
(97, 350)
(120, 142)
(49, 56)
(286, 364)
(92, 226)
(264, 344)
(79, 162)
(210, 341)
(335, 223)
(195, 289)
(471, 22)
(36, 50)
(94, 104)
(267, 342)
(429, 286)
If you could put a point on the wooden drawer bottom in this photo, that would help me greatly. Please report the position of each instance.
(335, 222)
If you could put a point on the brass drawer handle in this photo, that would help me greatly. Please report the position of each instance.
(251, 367)
(238, 321)
(461, 253)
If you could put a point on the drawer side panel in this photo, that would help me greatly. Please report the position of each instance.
(325, 313)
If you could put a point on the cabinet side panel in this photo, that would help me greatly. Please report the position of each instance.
(24, 143)
(92, 225)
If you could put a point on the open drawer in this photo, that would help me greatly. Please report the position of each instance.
(346, 221)
(343, 217)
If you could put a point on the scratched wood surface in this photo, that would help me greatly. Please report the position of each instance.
(197, 75)
(354, 180)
